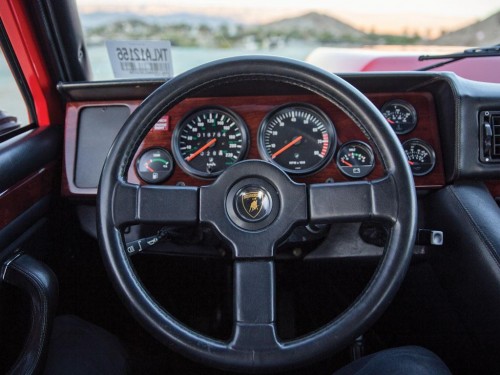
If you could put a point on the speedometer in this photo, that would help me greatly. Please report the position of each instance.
(209, 140)
(299, 138)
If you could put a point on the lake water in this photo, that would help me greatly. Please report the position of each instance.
(184, 58)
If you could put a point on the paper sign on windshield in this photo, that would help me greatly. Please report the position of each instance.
(140, 59)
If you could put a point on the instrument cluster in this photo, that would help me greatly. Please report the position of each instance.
(298, 137)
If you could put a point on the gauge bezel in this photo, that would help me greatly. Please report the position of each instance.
(330, 128)
(408, 106)
(147, 180)
(364, 145)
(245, 140)
(429, 148)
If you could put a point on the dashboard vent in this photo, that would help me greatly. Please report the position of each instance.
(490, 136)
(495, 123)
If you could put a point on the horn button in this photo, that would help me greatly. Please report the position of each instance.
(254, 231)
(252, 204)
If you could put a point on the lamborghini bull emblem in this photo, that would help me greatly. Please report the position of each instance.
(252, 203)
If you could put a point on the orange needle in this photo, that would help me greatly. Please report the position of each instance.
(195, 154)
(286, 147)
(346, 163)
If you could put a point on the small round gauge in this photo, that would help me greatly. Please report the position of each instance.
(209, 140)
(355, 159)
(155, 165)
(400, 115)
(299, 138)
(421, 156)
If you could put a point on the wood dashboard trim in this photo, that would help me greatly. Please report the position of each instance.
(253, 109)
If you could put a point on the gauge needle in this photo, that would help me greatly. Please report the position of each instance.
(411, 162)
(390, 121)
(149, 168)
(207, 145)
(346, 163)
(286, 147)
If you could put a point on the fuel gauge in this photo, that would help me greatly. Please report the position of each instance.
(355, 159)
(155, 165)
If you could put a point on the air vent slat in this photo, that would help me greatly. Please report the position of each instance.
(489, 124)
(495, 120)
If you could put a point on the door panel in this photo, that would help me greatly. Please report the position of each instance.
(28, 171)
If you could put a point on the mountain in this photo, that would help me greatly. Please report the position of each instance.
(313, 23)
(197, 30)
(482, 33)
(99, 19)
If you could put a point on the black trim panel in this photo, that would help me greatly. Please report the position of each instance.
(27, 153)
(14, 234)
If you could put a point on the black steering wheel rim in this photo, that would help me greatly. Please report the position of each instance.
(372, 301)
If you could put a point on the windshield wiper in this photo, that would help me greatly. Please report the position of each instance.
(468, 53)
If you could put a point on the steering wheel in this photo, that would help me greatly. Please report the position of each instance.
(284, 204)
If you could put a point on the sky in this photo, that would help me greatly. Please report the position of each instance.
(427, 17)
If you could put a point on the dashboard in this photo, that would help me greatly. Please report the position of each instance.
(442, 119)
(305, 135)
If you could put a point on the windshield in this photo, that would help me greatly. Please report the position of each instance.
(356, 35)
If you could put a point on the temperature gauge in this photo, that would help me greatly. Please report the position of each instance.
(155, 165)
(421, 156)
(400, 115)
(355, 159)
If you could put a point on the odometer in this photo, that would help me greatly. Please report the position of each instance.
(299, 138)
(209, 140)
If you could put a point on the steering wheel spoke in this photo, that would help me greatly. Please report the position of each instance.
(253, 205)
(254, 305)
(353, 201)
(133, 204)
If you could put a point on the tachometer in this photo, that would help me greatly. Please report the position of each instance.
(209, 140)
(299, 138)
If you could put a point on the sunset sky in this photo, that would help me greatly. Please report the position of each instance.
(390, 16)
